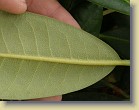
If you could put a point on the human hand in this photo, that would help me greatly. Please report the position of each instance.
(51, 8)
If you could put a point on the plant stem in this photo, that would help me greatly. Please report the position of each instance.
(118, 90)
(128, 1)
(106, 12)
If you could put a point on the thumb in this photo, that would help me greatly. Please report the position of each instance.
(13, 6)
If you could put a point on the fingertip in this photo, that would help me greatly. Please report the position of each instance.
(13, 6)
(20, 8)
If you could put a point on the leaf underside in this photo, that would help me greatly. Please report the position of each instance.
(38, 36)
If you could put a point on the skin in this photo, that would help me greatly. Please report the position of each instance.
(51, 8)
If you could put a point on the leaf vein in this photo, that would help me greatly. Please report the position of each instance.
(78, 82)
(34, 37)
(48, 39)
(2, 62)
(54, 66)
(5, 41)
(37, 67)
(18, 70)
(84, 47)
(20, 39)
(69, 45)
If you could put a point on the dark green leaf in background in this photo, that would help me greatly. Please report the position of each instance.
(122, 46)
(121, 6)
(69, 4)
(115, 31)
(89, 16)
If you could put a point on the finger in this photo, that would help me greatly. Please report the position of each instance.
(51, 8)
(13, 6)
(55, 98)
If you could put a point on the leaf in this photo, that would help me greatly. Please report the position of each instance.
(114, 21)
(42, 57)
(69, 4)
(116, 32)
(122, 46)
(121, 6)
(89, 16)
(128, 1)
(66, 3)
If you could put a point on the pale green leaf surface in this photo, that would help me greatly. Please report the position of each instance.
(41, 57)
